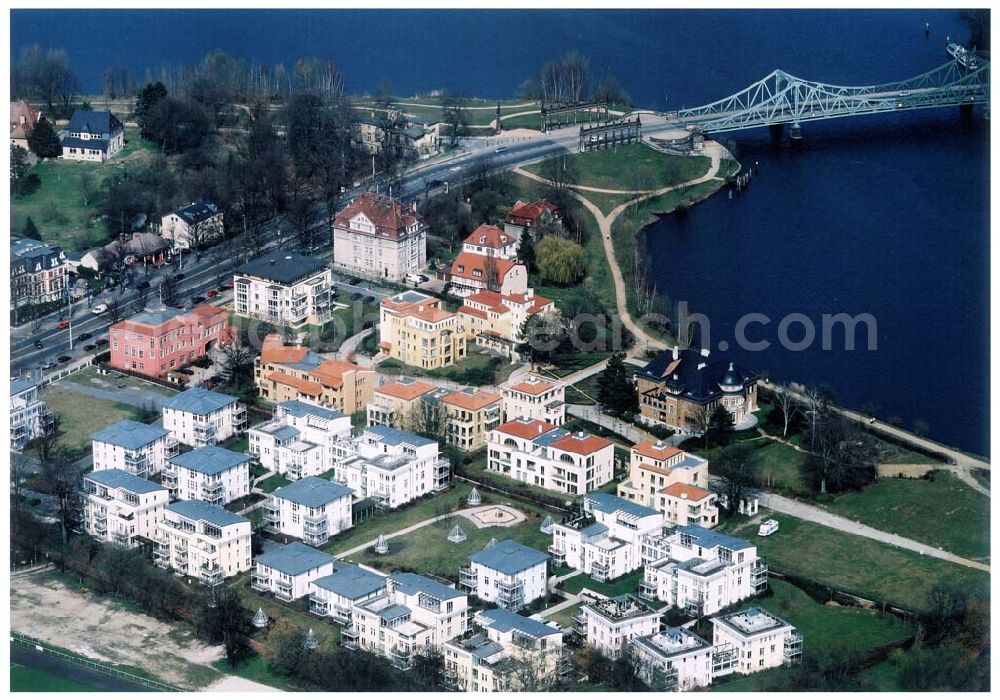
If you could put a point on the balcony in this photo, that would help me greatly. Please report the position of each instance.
(449, 678)
(758, 576)
(349, 637)
(272, 518)
(402, 658)
(558, 555)
(319, 607)
(161, 557)
(565, 665)
(467, 578)
(137, 464)
(600, 571)
(510, 595)
(695, 605)
(211, 575)
(793, 649)
(204, 435)
(580, 624)
(240, 418)
(260, 582)
(213, 492)
(170, 448)
(169, 477)
(647, 589)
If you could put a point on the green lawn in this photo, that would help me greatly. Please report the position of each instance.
(428, 550)
(82, 415)
(606, 201)
(855, 564)
(565, 616)
(585, 392)
(31, 680)
(631, 167)
(629, 583)
(275, 481)
(944, 513)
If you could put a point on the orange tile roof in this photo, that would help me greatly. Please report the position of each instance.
(533, 388)
(275, 351)
(470, 402)
(686, 492)
(526, 430)
(303, 385)
(489, 236)
(586, 445)
(407, 392)
(521, 212)
(647, 448)
(463, 265)
(331, 372)
(472, 311)
(431, 314)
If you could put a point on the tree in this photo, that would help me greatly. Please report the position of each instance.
(737, 466)
(784, 399)
(815, 406)
(541, 335)
(616, 390)
(843, 457)
(30, 230)
(19, 473)
(559, 261)
(560, 170)
(47, 441)
(455, 116)
(610, 90)
(526, 250)
(176, 125)
(47, 78)
(720, 424)
(921, 427)
(699, 417)
(86, 186)
(44, 141)
(429, 419)
(147, 99)
(19, 167)
(228, 623)
(62, 479)
(168, 290)
(285, 653)
(140, 301)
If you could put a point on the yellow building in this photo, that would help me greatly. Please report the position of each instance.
(292, 373)
(416, 331)
(672, 481)
(494, 320)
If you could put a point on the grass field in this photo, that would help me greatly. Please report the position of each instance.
(428, 550)
(631, 167)
(944, 513)
(83, 415)
(57, 207)
(855, 564)
(275, 481)
(32, 680)
(565, 616)
(629, 583)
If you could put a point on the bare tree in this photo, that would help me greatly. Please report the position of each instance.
(737, 467)
(19, 472)
(815, 406)
(62, 478)
(47, 442)
(700, 418)
(87, 187)
(429, 419)
(784, 399)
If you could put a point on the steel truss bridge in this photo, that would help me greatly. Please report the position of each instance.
(781, 98)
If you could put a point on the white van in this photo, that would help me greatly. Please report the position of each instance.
(414, 278)
(768, 527)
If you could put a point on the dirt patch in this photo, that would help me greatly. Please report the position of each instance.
(45, 608)
(237, 684)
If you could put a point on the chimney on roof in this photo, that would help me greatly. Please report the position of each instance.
(539, 429)
(677, 352)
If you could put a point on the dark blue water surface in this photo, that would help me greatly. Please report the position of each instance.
(885, 215)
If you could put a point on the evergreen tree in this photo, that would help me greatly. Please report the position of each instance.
(19, 168)
(144, 103)
(30, 230)
(616, 391)
(526, 250)
(720, 424)
(44, 141)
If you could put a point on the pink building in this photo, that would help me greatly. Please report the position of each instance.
(158, 341)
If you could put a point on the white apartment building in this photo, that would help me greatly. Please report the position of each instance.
(540, 454)
(203, 541)
(605, 540)
(391, 466)
(284, 287)
(483, 662)
(28, 414)
(379, 237)
(536, 398)
(509, 574)
(289, 570)
(675, 659)
(701, 571)
(671, 480)
(139, 449)
(609, 625)
(212, 474)
(337, 594)
(414, 615)
(197, 224)
(299, 441)
(752, 640)
(199, 417)
(311, 509)
(119, 507)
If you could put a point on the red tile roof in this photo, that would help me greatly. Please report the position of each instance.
(648, 448)
(522, 213)
(527, 430)
(489, 236)
(389, 217)
(331, 372)
(470, 402)
(407, 392)
(463, 265)
(533, 388)
(274, 351)
(302, 385)
(588, 444)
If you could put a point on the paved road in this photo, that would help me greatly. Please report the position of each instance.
(822, 517)
(74, 672)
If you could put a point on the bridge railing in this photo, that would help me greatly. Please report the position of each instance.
(42, 647)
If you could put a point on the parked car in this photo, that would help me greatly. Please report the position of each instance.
(101, 341)
(50, 365)
(84, 336)
(227, 285)
(768, 527)
(38, 344)
(185, 370)
(178, 277)
(355, 281)
(356, 296)
(99, 309)
(197, 299)
(142, 285)
(212, 293)
(63, 358)
(62, 325)
(370, 299)
(424, 278)
(89, 348)
(501, 149)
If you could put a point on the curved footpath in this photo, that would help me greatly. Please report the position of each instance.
(604, 223)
